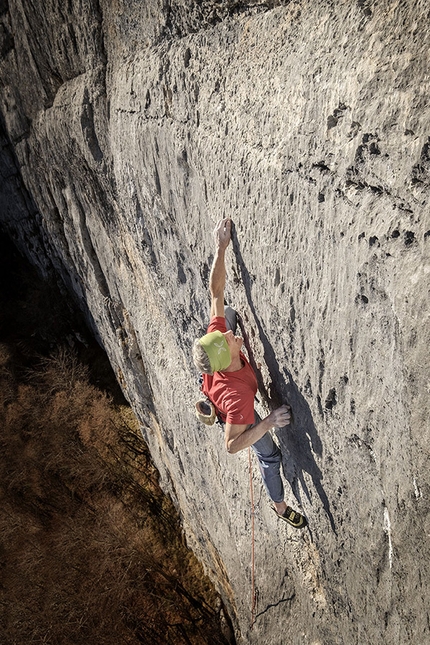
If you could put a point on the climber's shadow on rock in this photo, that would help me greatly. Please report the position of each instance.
(299, 441)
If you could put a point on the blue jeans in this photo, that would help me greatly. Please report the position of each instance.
(269, 459)
(267, 452)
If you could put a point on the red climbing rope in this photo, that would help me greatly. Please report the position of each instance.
(253, 597)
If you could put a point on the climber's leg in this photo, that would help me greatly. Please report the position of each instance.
(269, 459)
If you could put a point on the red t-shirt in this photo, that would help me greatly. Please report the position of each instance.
(232, 393)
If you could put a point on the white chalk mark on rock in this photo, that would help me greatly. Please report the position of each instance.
(387, 529)
(417, 490)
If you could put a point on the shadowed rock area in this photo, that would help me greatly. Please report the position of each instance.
(128, 130)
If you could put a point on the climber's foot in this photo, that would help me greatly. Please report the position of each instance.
(292, 517)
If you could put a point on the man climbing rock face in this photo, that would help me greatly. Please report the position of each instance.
(230, 384)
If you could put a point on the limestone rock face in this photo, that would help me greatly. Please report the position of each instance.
(128, 129)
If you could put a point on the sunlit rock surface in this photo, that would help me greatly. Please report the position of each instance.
(129, 129)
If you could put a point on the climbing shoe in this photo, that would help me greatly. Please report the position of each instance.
(205, 412)
(292, 517)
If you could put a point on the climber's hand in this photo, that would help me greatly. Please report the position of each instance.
(280, 417)
(222, 233)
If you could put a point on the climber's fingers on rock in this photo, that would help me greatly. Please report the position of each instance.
(281, 416)
(222, 232)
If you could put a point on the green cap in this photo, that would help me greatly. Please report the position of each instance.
(217, 349)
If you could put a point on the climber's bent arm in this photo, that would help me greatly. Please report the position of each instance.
(238, 437)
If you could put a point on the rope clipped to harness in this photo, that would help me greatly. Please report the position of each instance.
(253, 593)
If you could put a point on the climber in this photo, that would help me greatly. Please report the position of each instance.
(230, 385)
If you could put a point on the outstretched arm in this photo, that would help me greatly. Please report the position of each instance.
(222, 234)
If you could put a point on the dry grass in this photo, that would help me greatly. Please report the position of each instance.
(91, 551)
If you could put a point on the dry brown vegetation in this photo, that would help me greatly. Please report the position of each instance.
(91, 550)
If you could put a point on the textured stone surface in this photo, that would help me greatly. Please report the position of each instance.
(129, 129)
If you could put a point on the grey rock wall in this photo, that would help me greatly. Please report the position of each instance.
(128, 130)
